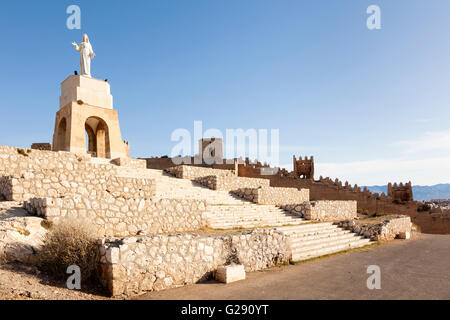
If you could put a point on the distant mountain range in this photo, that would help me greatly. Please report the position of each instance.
(438, 191)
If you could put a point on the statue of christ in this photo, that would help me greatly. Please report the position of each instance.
(86, 54)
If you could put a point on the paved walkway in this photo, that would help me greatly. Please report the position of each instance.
(410, 269)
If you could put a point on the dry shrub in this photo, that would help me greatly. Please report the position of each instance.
(70, 242)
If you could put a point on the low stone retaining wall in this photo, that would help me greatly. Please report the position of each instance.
(231, 183)
(60, 183)
(389, 229)
(133, 266)
(44, 146)
(124, 217)
(325, 210)
(192, 172)
(130, 162)
(274, 196)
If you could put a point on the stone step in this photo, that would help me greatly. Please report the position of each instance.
(324, 243)
(303, 243)
(252, 217)
(313, 253)
(261, 215)
(244, 207)
(248, 213)
(318, 235)
(313, 231)
(248, 225)
(309, 228)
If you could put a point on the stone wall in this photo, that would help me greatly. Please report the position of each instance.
(324, 210)
(16, 161)
(434, 223)
(397, 227)
(64, 182)
(274, 196)
(132, 266)
(231, 183)
(124, 217)
(193, 172)
(42, 146)
(328, 189)
(130, 162)
(26, 173)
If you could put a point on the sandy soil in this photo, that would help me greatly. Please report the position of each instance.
(23, 282)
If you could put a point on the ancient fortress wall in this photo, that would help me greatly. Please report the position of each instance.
(327, 189)
(135, 265)
(324, 210)
(231, 183)
(124, 217)
(193, 172)
(275, 196)
(62, 183)
(432, 222)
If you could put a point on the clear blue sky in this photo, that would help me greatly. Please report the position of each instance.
(371, 106)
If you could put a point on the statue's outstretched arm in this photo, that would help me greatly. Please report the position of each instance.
(76, 46)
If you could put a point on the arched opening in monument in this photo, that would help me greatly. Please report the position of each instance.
(97, 137)
(61, 135)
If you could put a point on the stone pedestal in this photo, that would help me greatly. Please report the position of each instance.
(93, 92)
(86, 110)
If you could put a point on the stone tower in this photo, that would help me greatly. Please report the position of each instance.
(304, 168)
(211, 150)
(401, 192)
(86, 120)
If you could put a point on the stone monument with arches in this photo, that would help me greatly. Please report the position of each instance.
(86, 120)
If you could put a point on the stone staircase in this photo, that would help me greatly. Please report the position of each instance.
(170, 187)
(225, 211)
(249, 215)
(318, 239)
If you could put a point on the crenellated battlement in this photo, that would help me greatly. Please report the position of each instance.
(304, 168)
(400, 192)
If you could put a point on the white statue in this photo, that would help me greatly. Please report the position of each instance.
(86, 54)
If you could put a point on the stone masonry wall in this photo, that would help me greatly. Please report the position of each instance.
(60, 183)
(130, 162)
(192, 172)
(16, 161)
(124, 217)
(133, 266)
(26, 173)
(387, 230)
(324, 210)
(231, 183)
(274, 196)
